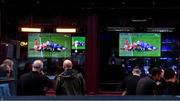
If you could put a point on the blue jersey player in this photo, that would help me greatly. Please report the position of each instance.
(145, 46)
(54, 46)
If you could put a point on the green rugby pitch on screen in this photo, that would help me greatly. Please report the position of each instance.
(78, 42)
(140, 44)
(49, 45)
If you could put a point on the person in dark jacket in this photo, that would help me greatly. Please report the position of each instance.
(147, 85)
(170, 85)
(70, 82)
(34, 82)
(130, 82)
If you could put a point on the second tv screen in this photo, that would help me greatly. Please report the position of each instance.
(140, 44)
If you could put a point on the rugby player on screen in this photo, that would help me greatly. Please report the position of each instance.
(78, 43)
(36, 44)
(126, 45)
(143, 46)
(54, 46)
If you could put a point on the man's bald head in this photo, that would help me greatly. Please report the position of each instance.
(37, 65)
(67, 64)
(136, 71)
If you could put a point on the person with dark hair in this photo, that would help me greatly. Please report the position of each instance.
(160, 83)
(147, 85)
(170, 85)
(70, 82)
(169, 75)
(27, 69)
(34, 82)
(130, 82)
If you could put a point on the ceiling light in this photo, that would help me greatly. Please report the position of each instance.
(66, 30)
(31, 29)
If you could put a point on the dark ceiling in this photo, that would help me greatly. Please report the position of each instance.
(90, 3)
(40, 6)
(111, 12)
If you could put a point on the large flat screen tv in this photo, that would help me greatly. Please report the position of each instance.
(78, 42)
(140, 44)
(49, 45)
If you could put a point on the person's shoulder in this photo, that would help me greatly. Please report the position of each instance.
(24, 75)
(77, 74)
(128, 77)
(136, 77)
(171, 84)
(43, 76)
(148, 78)
(143, 79)
(58, 77)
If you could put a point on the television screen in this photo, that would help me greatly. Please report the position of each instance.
(78, 42)
(140, 44)
(49, 45)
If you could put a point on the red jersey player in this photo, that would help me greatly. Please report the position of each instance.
(36, 44)
(126, 44)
